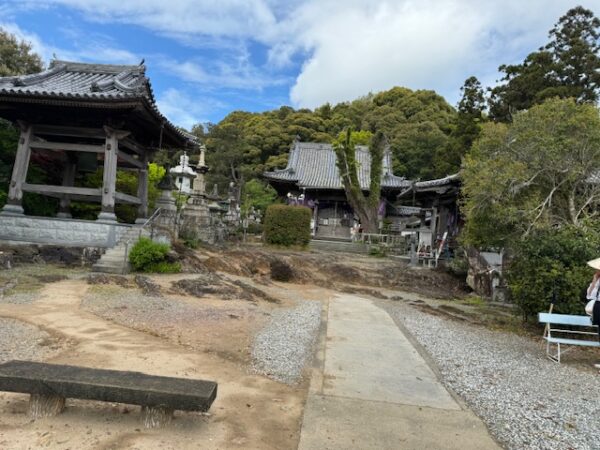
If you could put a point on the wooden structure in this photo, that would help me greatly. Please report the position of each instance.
(430, 209)
(312, 178)
(50, 384)
(86, 115)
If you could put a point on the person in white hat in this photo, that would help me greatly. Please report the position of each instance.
(593, 289)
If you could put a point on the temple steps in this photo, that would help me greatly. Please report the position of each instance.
(115, 259)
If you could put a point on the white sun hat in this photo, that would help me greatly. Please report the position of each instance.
(594, 263)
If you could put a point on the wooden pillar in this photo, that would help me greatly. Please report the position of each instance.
(109, 179)
(142, 191)
(64, 211)
(19, 173)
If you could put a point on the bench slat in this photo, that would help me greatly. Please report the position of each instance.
(566, 341)
(565, 319)
(107, 385)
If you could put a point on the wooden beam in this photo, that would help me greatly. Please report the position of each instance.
(131, 160)
(61, 190)
(67, 146)
(20, 167)
(126, 198)
(130, 144)
(57, 130)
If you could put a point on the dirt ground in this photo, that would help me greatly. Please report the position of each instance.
(203, 328)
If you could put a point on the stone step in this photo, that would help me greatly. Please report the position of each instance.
(109, 268)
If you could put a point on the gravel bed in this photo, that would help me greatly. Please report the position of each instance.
(527, 401)
(135, 309)
(283, 347)
(21, 298)
(19, 340)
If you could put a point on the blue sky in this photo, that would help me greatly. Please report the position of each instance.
(208, 58)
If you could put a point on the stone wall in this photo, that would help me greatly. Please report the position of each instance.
(54, 231)
(48, 254)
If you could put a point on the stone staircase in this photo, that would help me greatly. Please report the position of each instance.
(338, 245)
(115, 260)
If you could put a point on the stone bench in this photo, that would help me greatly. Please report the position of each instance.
(50, 384)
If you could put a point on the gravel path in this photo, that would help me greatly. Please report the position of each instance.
(527, 401)
(284, 346)
(19, 340)
(131, 308)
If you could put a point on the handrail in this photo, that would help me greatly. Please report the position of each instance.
(150, 221)
(154, 215)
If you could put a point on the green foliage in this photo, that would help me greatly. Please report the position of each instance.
(16, 57)
(257, 195)
(416, 123)
(378, 251)
(466, 129)
(552, 263)
(568, 66)
(532, 174)
(163, 267)
(287, 225)
(126, 183)
(149, 256)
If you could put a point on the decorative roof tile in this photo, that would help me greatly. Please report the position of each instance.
(313, 165)
(78, 80)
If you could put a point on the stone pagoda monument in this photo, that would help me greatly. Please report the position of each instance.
(184, 175)
(196, 218)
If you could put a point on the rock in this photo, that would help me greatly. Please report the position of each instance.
(6, 261)
(148, 287)
(198, 287)
(102, 278)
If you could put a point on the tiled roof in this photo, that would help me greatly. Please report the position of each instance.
(92, 83)
(82, 81)
(313, 165)
(420, 185)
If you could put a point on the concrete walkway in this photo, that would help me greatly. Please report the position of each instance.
(373, 390)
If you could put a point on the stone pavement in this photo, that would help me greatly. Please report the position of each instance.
(373, 390)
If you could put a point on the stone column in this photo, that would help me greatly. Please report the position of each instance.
(64, 211)
(142, 192)
(109, 179)
(19, 173)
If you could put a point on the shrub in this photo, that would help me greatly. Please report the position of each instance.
(281, 271)
(551, 265)
(287, 225)
(149, 256)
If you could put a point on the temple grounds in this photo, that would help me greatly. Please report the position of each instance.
(289, 374)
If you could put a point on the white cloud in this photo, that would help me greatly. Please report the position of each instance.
(184, 110)
(368, 46)
(346, 49)
(97, 51)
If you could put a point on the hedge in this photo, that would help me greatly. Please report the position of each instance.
(287, 225)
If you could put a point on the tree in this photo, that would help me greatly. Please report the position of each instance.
(466, 128)
(257, 195)
(539, 172)
(17, 57)
(568, 66)
(366, 207)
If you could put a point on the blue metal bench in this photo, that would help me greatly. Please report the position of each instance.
(553, 322)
